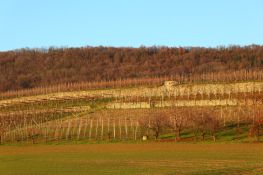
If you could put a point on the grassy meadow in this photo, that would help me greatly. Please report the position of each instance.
(151, 158)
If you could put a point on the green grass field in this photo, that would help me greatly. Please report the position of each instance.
(151, 158)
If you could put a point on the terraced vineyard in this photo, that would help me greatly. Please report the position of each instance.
(129, 113)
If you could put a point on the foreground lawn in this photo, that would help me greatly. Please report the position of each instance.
(126, 159)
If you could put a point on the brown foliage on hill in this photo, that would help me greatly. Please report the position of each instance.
(28, 68)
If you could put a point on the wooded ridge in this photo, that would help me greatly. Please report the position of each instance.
(28, 68)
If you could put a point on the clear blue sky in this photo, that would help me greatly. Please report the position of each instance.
(73, 23)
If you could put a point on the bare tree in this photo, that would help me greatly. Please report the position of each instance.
(178, 120)
(213, 126)
(255, 129)
(156, 121)
(204, 122)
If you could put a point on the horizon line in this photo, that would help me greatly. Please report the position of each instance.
(133, 47)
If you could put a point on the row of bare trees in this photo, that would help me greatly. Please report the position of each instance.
(202, 123)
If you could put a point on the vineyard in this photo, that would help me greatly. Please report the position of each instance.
(168, 109)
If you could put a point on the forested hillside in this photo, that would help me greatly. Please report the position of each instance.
(26, 68)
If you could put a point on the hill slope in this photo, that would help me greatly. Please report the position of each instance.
(33, 68)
